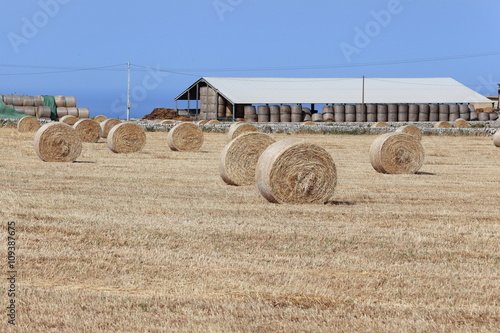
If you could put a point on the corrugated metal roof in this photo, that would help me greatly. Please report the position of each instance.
(342, 90)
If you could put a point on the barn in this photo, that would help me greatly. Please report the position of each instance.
(330, 99)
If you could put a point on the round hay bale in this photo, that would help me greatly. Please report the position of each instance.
(31, 110)
(89, 130)
(126, 138)
(412, 130)
(167, 122)
(460, 123)
(43, 111)
(57, 142)
(107, 125)
(308, 123)
(28, 101)
(83, 113)
(61, 112)
(28, 124)
(70, 101)
(238, 129)
(295, 171)
(442, 124)
(379, 124)
(38, 100)
(213, 122)
(60, 101)
(185, 137)
(496, 138)
(202, 122)
(72, 111)
(396, 153)
(100, 118)
(68, 119)
(239, 158)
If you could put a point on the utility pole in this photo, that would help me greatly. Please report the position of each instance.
(128, 92)
(498, 97)
(363, 95)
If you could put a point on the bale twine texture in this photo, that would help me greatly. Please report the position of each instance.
(396, 153)
(57, 142)
(185, 137)
(295, 171)
(89, 130)
(380, 124)
(442, 124)
(100, 118)
(68, 119)
(412, 130)
(240, 128)
(239, 158)
(107, 125)
(28, 124)
(496, 138)
(126, 138)
(461, 123)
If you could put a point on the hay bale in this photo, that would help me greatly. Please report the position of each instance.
(100, 118)
(412, 130)
(396, 153)
(89, 130)
(442, 124)
(460, 123)
(496, 138)
(295, 171)
(167, 122)
(28, 124)
(240, 128)
(202, 122)
(239, 158)
(83, 113)
(185, 137)
(107, 125)
(308, 123)
(213, 122)
(57, 142)
(379, 124)
(68, 119)
(126, 138)
(60, 101)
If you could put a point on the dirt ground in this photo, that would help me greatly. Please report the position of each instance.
(156, 242)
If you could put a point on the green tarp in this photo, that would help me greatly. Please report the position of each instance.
(50, 101)
(9, 113)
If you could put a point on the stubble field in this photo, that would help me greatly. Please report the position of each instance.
(156, 242)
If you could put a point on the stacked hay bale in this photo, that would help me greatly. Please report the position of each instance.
(296, 113)
(34, 106)
(212, 106)
(250, 114)
(274, 113)
(328, 113)
(339, 113)
(285, 113)
(263, 115)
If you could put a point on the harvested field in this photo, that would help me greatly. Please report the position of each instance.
(156, 241)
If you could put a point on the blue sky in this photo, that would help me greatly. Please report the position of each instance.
(81, 47)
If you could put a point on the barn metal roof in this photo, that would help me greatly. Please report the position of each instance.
(338, 90)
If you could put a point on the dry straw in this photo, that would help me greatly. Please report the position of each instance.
(379, 124)
(100, 118)
(460, 123)
(28, 124)
(185, 137)
(68, 119)
(308, 123)
(107, 125)
(89, 130)
(240, 128)
(166, 122)
(496, 138)
(202, 122)
(442, 124)
(239, 158)
(295, 171)
(126, 138)
(396, 153)
(213, 122)
(57, 142)
(412, 130)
